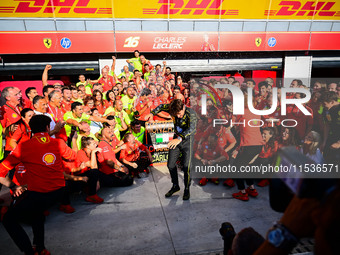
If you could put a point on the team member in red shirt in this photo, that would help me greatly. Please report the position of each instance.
(131, 155)
(304, 122)
(112, 173)
(226, 142)
(110, 98)
(99, 102)
(23, 132)
(145, 61)
(144, 104)
(30, 93)
(210, 153)
(168, 75)
(87, 155)
(268, 152)
(163, 98)
(66, 102)
(273, 119)
(86, 167)
(10, 111)
(186, 94)
(159, 72)
(47, 90)
(10, 114)
(250, 145)
(261, 99)
(20, 135)
(42, 157)
(56, 112)
(107, 80)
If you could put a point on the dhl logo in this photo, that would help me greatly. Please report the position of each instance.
(213, 7)
(281, 9)
(194, 7)
(310, 8)
(54, 6)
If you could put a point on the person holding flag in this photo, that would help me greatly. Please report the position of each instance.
(185, 121)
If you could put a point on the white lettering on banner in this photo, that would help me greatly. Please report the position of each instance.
(179, 40)
(131, 42)
(169, 42)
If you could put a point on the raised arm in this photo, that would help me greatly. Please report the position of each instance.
(164, 68)
(45, 75)
(113, 66)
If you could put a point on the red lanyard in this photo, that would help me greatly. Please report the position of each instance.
(13, 109)
(54, 116)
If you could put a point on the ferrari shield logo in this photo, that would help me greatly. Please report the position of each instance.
(43, 139)
(47, 42)
(258, 41)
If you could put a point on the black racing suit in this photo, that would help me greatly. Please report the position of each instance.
(185, 128)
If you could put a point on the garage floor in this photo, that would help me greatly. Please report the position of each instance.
(140, 220)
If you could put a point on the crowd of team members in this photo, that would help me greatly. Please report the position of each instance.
(256, 139)
(104, 121)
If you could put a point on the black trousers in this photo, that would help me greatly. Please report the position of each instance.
(142, 163)
(30, 206)
(118, 179)
(71, 186)
(246, 154)
(186, 149)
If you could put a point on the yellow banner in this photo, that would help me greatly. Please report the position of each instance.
(173, 9)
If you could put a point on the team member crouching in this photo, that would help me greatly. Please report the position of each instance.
(112, 173)
(86, 164)
(132, 156)
(87, 155)
(210, 153)
(42, 157)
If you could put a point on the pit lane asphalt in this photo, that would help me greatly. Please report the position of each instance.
(140, 220)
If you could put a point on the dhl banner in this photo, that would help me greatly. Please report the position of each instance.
(173, 9)
(110, 42)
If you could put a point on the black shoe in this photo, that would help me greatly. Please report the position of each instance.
(186, 194)
(174, 189)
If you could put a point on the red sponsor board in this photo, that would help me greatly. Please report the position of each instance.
(69, 42)
(325, 41)
(264, 41)
(108, 42)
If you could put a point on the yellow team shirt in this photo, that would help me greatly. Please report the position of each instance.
(117, 119)
(69, 115)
